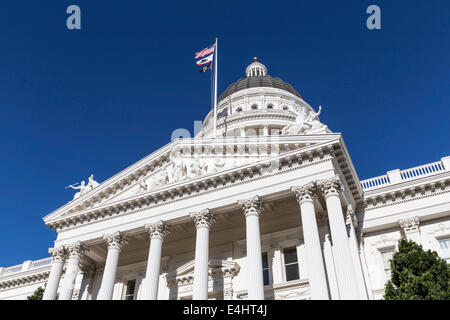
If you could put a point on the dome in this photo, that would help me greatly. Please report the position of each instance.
(257, 77)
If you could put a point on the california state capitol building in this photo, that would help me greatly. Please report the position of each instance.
(270, 207)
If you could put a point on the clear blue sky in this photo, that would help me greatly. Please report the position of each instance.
(99, 99)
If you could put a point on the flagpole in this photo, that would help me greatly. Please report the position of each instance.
(215, 88)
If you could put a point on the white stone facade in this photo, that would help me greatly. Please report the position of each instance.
(270, 208)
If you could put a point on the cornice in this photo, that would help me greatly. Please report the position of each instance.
(25, 278)
(409, 192)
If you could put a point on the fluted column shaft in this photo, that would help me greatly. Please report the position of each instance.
(75, 252)
(252, 208)
(151, 282)
(115, 243)
(345, 270)
(314, 256)
(58, 258)
(203, 221)
(353, 241)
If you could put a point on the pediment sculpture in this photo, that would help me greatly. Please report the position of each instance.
(182, 168)
(83, 187)
(303, 125)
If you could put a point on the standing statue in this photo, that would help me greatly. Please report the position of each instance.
(313, 119)
(82, 187)
(178, 167)
(91, 183)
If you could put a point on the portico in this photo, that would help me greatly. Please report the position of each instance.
(226, 233)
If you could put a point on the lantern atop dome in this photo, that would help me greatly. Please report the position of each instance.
(256, 69)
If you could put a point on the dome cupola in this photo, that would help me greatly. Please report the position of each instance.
(256, 69)
(259, 105)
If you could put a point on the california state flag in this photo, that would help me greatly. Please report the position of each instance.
(205, 60)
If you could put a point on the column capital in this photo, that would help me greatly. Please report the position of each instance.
(58, 254)
(305, 192)
(115, 240)
(76, 249)
(252, 206)
(410, 224)
(332, 186)
(203, 218)
(158, 230)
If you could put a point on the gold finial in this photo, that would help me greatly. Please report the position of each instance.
(255, 59)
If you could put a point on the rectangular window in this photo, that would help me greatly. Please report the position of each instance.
(131, 285)
(387, 257)
(265, 267)
(291, 264)
(445, 248)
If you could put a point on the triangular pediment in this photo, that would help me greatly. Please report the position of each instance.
(187, 269)
(189, 161)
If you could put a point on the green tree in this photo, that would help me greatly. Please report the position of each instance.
(38, 294)
(417, 274)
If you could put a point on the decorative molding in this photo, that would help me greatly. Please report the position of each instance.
(305, 193)
(332, 186)
(203, 218)
(252, 206)
(76, 250)
(410, 224)
(406, 194)
(115, 240)
(158, 230)
(58, 254)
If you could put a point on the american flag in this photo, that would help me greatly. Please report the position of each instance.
(204, 52)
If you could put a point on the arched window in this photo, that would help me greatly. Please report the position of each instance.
(239, 109)
(254, 107)
(285, 108)
(270, 106)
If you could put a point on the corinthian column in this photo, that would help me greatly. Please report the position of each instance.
(316, 270)
(203, 221)
(59, 255)
(350, 220)
(115, 242)
(75, 252)
(345, 270)
(252, 208)
(157, 233)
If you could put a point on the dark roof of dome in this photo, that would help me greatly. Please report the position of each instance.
(256, 82)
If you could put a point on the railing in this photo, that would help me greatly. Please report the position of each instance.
(33, 265)
(398, 176)
(425, 170)
(376, 182)
(12, 269)
(41, 263)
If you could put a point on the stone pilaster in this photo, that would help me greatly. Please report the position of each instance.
(251, 209)
(351, 222)
(411, 229)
